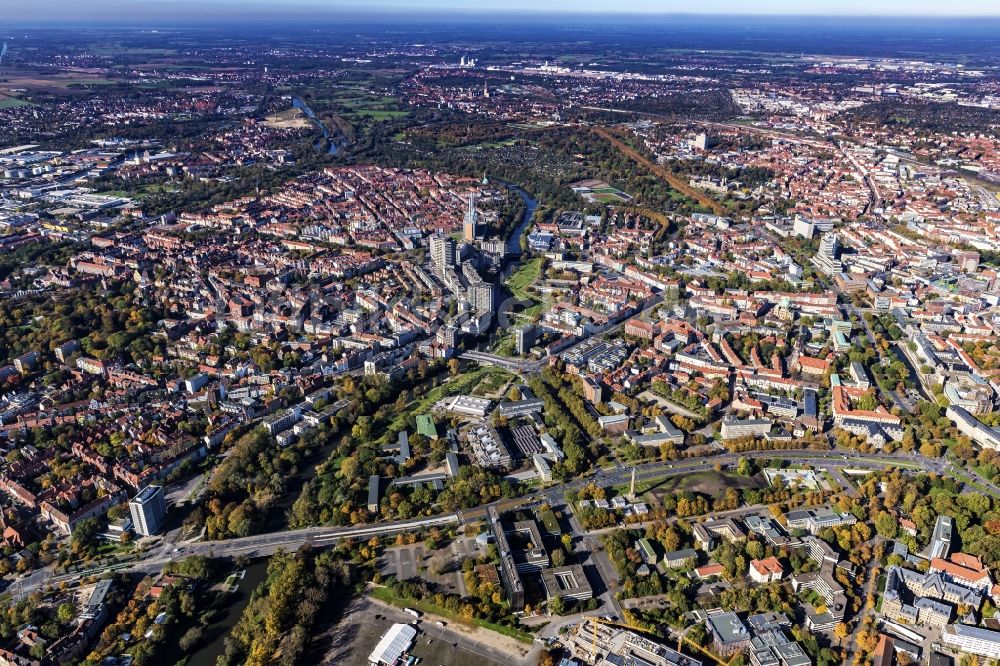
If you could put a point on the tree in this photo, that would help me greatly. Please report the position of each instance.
(85, 534)
(190, 638)
(671, 540)
(841, 631)
(886, 525)
(557, 606)
(867, 641)
(66, 613)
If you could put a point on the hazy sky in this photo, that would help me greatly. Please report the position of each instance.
(140, 10)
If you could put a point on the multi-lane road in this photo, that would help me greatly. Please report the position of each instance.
(267, 544)
(259, 545)
(819, 458)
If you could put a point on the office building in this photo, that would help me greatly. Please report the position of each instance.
(470, 230)
(815, 520)
(604, 644)
(973, 428)
(826, 258)
(972, 640)
(924, 610)
(733, 428)
(524, 337)
(706, 534)
(480, 293)
(510, 573)
(443, 253)
(729, 634)
(569, 582)
(149, 510)
(373, 492)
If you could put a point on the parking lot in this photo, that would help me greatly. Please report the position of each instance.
(365, 621)
(442, 566)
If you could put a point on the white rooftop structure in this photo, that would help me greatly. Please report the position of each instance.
(470, 405)
(393, 644)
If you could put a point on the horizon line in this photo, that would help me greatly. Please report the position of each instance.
(296, 12)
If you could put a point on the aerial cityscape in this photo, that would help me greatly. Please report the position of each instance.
(450, 333)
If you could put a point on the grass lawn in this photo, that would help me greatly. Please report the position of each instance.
(534, 311)
(492, 379)
(11, 102)
(386, 595)
(524, 278)
(642, 486)
(907, 465)
(482, 379)
(967, 480)
(82, 83)
(711, 483)
(488, 145)
(505, 346)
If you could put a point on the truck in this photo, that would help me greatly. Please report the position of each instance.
(414, 613)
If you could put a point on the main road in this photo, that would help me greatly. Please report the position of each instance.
(267, 544)
(259, 545)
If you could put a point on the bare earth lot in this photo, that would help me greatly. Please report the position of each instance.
(289, 119)
(365, 620)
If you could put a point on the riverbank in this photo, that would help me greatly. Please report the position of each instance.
(327, 138)
(235, 604)
(531, 205)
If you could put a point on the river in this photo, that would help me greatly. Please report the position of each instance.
(514, 240)
(233, 608)
(306, 472)
(207, 654)
(334, 145)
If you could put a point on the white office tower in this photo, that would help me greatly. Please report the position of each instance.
(443, 251)
(826, 259)
(149, 510)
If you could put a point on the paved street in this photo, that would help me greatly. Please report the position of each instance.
(266, 544)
